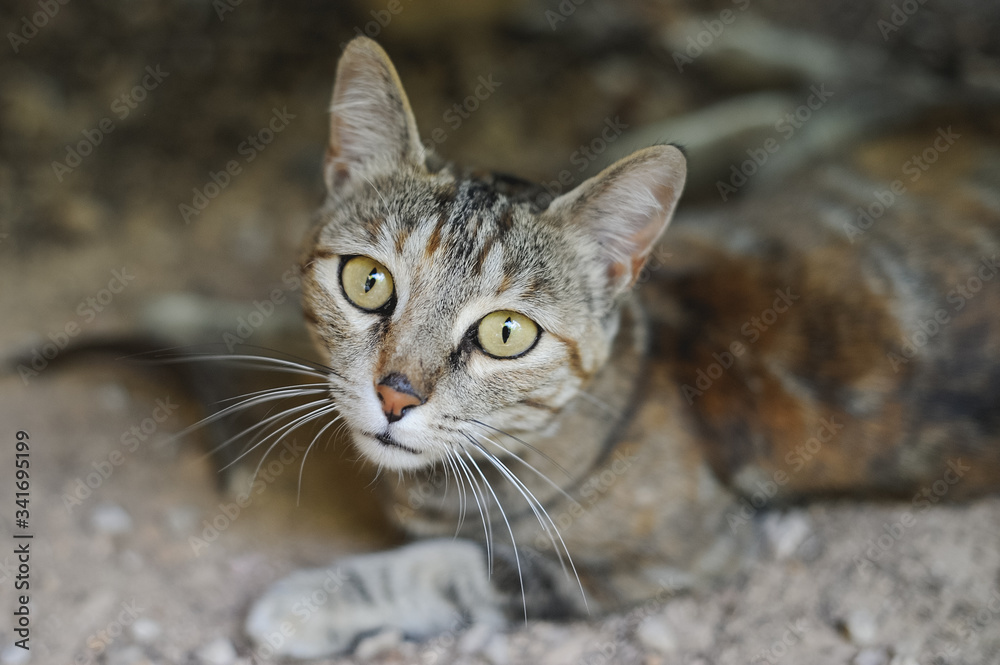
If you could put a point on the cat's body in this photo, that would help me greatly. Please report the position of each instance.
(634, 437)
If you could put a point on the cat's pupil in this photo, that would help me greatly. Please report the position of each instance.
(372, 278)
(508, 325)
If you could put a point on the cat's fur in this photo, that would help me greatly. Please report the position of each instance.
(766, 364)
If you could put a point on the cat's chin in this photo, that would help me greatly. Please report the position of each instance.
(389, 453)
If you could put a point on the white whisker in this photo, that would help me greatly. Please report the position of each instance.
(598, 403)
(302, 467)
(267, 391)
(513, 541)
(483, 511)
(541, 514)
(284, 431)
(523, 443)
(541, 475)
(248, 359)
(322, 403)
(381, 198)
(262, 423)
(460, 490)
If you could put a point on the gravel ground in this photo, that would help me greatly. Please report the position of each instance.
(162, 97)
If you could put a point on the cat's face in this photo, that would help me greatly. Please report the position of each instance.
(449, 310)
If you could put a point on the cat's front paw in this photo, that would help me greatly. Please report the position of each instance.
(419, 590)
(307, 615)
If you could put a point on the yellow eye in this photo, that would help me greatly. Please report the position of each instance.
(366, 282)
(506, 334)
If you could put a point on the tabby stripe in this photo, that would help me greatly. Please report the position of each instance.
(434, 242)
(309, 314)
(401, 238)
(320, 253)
(505, 283)
(477, 265)
(575, 361)
(538, 405)
(354, 581)
(506, 221)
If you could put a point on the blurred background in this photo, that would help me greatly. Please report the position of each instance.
(160, 162)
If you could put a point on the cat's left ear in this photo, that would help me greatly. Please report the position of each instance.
(626, 207)
(372, 127)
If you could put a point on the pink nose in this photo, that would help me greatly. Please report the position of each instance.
(396, 395)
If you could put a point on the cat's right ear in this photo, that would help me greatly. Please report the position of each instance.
(372, 128)
(625, 209)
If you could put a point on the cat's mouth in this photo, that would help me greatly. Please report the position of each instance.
(387, 440)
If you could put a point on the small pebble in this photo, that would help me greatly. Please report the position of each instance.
(182, 520)
(111, 518)
(496, 651)
(219, 651)
(785, 533)
(656, 634)
(871, 657)
(378, 644)
(145, 630)
(113, 397)
(473, 639)
(861, 628)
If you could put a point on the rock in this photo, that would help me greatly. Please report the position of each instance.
(861, 628)
(496, 651)
(182, 520)
(656, 634)
(378, 644)
(113, 397)
(145, 630)
(110, 518)
(219, 651)
(785, 533)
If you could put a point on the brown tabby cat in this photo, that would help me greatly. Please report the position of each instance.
(592, 449)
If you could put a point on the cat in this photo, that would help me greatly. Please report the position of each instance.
(580, 415)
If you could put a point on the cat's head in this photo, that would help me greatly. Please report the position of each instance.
(448, 305)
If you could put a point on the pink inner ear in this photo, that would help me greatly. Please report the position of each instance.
(618, 271)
